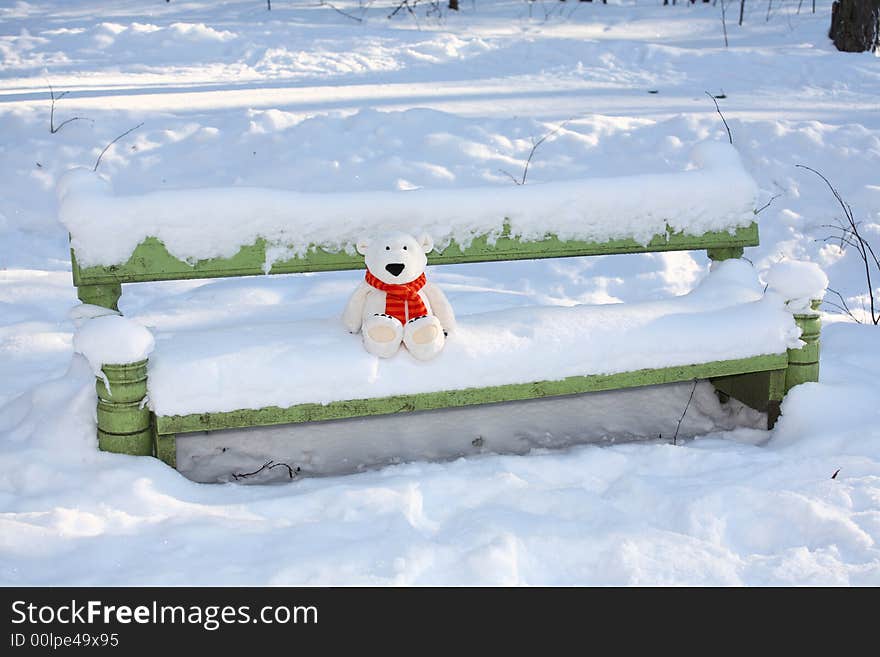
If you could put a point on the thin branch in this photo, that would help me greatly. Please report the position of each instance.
(268, 465)
(413, 13)
(681, 419)
(510, 175)
(843, 306)
(52, 127)
(324, 3)
(724, 23)
(399, 7)
(291, 472)
(535, 145)
(718, 109)
(871, 251)
(841, 239)
(767, 204)
(850, 235)
(405, 5)
(127, 132)
(242, 475)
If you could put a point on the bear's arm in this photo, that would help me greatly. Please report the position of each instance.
(353, 316)
(440, 306)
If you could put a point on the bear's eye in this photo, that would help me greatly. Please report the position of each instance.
(404, 248)
(387, 248)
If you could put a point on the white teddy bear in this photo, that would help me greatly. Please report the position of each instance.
(395, 303)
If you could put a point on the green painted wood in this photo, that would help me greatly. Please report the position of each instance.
(777, 385)
(454, 398)
(152, 262)
(136, 444)
(752, 389)
(129, 417)
(803, 364)
(762, 391)
(128, 382)
(106, 296)
(774, 412)
(123, 418)
(165, 448)
(777, 392)
(725, 253)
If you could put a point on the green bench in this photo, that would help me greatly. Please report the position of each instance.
(127, 424)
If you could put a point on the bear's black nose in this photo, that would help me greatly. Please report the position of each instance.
(395, 268)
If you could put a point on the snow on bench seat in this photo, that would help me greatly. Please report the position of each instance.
(317, 361)
(196, 224)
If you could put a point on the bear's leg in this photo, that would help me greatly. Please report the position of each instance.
(382, 335)
(424, 337)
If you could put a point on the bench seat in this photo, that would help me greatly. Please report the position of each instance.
(206, 379)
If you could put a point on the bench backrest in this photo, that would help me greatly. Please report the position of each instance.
(236, 231)
(152, 262)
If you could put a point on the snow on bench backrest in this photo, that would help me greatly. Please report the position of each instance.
(199, 224)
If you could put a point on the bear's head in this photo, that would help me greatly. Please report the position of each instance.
(396, 258)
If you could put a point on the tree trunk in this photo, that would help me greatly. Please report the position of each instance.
(855, 25)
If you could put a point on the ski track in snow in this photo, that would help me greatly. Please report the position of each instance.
(307, 100)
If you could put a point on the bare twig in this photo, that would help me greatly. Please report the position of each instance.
(535, 145)
(324, 3)
(509, 175)
(724, 22)
(718, 109)
(52, 127)
(767, 204)
(291, 471)
(268, 465)
(686, 407)
(840, 306)
(242, 475)
(851, 236)
(107, 147)
(405, 4)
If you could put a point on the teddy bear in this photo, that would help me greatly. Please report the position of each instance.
(395, 303)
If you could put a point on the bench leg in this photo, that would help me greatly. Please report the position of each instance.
(165, 448)
(762, 391)
(725, 253)
(803, 363)
(777, 392)
(106, 296)
(123, 418)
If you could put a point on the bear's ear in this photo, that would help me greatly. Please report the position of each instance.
(426, 242)
(362, 246)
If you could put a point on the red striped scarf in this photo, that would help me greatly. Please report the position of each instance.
(401, 301)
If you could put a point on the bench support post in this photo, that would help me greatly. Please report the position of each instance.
(762, 391)
(803, 363)
(165, 448)
(123, 417)
(725, 253)
(106, 296)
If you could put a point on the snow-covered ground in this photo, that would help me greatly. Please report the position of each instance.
(306, 99)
